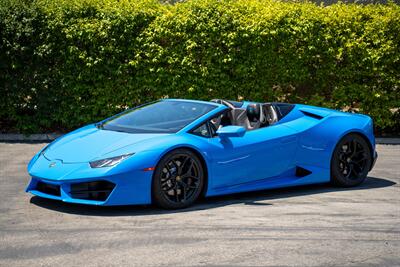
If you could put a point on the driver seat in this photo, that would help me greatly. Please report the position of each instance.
(251, 118)
(255, 114)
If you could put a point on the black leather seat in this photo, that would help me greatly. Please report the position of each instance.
(271, 115)
(255, 115)
(251, 118)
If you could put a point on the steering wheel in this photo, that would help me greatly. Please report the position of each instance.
(217, 120)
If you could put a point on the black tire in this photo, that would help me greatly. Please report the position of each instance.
(351, 161)
(178, 180)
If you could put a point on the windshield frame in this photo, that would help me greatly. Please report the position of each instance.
(103, 124)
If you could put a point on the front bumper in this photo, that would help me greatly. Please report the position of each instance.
(105, 191)
(124, 184)
(96, 192)
(121, 189)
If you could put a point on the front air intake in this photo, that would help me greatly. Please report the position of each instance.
(98, 190)
(49, 189)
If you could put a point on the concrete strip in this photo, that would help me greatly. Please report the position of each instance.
(28, 138)
(387, 141)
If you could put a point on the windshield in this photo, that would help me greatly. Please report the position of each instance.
(158, 117)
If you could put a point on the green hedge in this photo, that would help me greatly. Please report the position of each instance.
(65, 63)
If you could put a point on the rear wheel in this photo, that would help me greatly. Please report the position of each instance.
(178, 179)
(351, 161)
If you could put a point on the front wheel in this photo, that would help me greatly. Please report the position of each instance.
(351, 161)
(178, 179)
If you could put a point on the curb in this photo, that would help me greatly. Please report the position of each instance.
(387, 141)
(51, 136)
(28, 138)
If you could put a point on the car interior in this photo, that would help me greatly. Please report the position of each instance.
(251, 117)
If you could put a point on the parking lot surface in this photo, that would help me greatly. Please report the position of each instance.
(315, 225)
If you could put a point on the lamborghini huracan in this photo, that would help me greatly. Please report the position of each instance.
(173, 151)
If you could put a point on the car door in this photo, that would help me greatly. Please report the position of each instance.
(259, 154)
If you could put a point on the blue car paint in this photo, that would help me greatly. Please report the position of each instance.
(259, 154)
(260, 159)
(231, 131)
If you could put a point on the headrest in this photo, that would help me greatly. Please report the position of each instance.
(253, 112)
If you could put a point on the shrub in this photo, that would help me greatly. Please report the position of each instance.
(67, 63)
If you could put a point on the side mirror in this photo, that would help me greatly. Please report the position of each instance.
(231, 131)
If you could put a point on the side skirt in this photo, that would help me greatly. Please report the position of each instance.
(300, 175)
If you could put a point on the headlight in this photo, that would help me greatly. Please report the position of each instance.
(109, 162)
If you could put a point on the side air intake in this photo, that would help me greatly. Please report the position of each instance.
(316, 113)
(312, 115)
(301, 172)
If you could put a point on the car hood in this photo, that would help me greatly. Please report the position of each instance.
(89, 143)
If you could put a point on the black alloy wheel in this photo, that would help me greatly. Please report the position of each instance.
(178, 179)
(351, 161)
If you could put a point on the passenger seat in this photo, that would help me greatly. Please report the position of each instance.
(271, 115)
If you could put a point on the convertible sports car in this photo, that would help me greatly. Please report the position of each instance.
(171, 152)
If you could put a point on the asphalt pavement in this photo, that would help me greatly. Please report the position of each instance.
(315, 225)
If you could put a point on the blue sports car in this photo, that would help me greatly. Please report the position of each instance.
(171, 152)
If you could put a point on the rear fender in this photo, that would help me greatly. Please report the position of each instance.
(316, 143)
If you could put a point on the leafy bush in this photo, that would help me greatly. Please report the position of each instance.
(66, 63)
